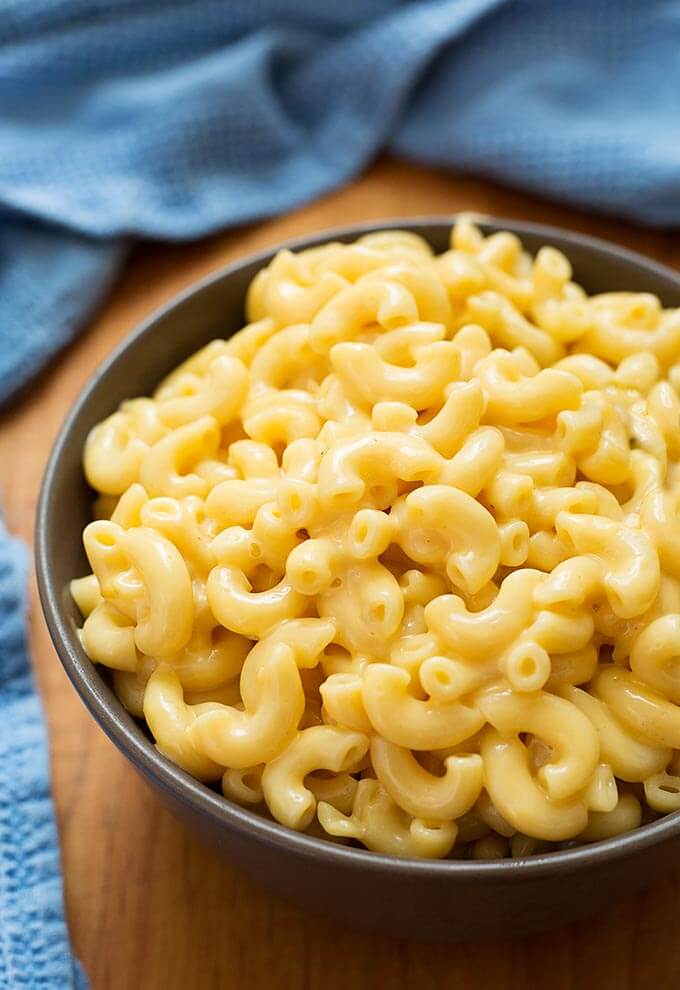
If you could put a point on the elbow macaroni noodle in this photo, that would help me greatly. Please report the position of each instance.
(399, 562)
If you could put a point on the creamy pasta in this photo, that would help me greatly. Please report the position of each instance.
(399, 562)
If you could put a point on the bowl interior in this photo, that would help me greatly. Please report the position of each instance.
(215, 308)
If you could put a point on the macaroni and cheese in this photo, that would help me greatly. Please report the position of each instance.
(399, 561)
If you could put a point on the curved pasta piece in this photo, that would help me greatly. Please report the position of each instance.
(281, 416)
(352, 261)
(146, 578)
(516, 398)
(339, 791)
(272, 694)
(430, 295)
(460, 274)
(422, 794)
(251, 613)
(571, 583)
(649, 459)
(592, 371)
(312, 565)
(509, 495)
(477, 634)
(655, 655)
(108, 637)
(342, 698)
(639, 372)
(662, 792)
(252, 459)
(128, 509)
(546, 551)
(629, 563)
(548, 502)
(170, 721)
(572, 668)
(444, 678)
(130, 689)
(86, 594)
(383, 827)
(398, 242)
(163, 470)
(563, 727)
(405, 720)
(602, 794)
(243, 785)
(384, 458)
(288, 299)
(273, 537)
(526, 665)
(473, 343)
(474, 465)
(195, 367)
(625, 816)
(176, 521)
(531, 660)
(578, 431)
(258, 734)
(608, 463)
(387, 303)
(660, 516)
(306, 637)
(664, 408)
(300, 460)
(397, 346)
(321, 747)
(508, 328)
(236, 502)
(245, 344)
(642, 709)
(369, 534)
(165, 614)
(113, 455)
(286, 354)
(613, 340)
(440, 525)
(367, 605)
(630, 757)
(562, 630)
(220, 394)
(547, 468)
(514, 543)
(519, 798)
(368, 379)
(214, 656)
(458, 417)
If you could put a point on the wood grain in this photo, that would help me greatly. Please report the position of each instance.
(147, 906)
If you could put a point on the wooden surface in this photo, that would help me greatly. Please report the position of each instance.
(147, 906)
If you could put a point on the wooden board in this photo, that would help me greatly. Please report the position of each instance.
(148, 907)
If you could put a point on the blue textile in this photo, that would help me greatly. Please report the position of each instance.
(34, 948)
(122, 119)
(172, 118)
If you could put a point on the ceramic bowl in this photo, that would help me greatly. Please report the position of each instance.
(444, 900)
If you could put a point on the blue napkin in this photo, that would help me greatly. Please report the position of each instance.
(172, 118)
(34, 948)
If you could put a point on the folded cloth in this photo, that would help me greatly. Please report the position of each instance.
(172, 118)
(34, 948)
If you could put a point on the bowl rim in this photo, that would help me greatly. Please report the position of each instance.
(141, 752)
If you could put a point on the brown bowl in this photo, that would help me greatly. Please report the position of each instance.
(447, 899)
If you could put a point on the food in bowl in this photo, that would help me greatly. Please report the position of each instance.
(399, 559)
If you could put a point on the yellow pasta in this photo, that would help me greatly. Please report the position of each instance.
(399, 560)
